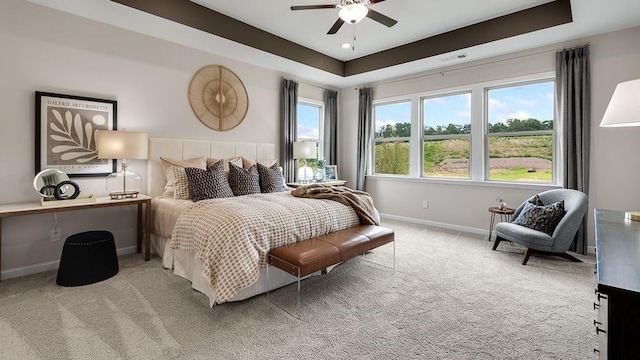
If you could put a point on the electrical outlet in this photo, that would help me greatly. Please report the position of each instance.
(55, 234)
(425, 204)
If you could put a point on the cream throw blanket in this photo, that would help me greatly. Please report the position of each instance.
(360, 201)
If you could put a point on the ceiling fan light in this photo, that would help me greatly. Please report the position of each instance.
(353, 13)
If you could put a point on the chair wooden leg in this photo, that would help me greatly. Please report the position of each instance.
(562, 255)
(527, 255)
(568, 257)
(496, 242)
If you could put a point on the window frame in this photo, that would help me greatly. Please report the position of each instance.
(555, 144)
(424, 138)
(320, 140)
(410, 139)
(478, 156)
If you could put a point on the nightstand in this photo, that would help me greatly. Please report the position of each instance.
(505, 215)
(328, 183)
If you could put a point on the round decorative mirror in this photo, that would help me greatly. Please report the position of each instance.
(46, 182)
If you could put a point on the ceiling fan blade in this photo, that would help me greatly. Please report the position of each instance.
(382, 19)
(312, 7)
(375, 1)
(334, 29)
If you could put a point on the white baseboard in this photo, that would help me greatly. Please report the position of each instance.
(590, 249)
(436, 224)
(51, 265)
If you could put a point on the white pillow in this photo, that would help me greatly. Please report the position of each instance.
(248, 163)
(168, 163)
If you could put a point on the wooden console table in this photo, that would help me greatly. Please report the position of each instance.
(33, 208)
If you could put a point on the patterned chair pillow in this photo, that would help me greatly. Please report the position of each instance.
(271, 179)
(244, 182)
(536, 201)
(543, 218)
(210, 183)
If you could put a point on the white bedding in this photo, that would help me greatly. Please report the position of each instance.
(165, 214)
(205, 243)
(231, 237)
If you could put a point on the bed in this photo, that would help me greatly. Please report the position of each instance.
(220, 245)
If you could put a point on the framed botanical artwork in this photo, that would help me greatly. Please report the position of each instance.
(331, 172)
(66, 126)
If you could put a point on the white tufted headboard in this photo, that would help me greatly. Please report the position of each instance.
(187, 149)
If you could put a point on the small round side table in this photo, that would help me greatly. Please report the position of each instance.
(505, 215)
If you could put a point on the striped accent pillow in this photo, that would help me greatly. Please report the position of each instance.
(210, 183)
(271, 179)
(244, 182)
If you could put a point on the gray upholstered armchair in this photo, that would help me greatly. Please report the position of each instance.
(575, 205)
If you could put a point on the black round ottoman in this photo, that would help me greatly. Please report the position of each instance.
(87, 257)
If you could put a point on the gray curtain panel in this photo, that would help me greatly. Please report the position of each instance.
(365, 123)
(331, 127)
(288, 104)
(573, 99)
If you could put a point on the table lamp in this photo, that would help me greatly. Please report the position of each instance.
(624, 110)
(122, 145)
(304, 150)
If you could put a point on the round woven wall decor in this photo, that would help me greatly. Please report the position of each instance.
(218, 97)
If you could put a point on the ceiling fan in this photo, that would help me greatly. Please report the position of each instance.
(352, 11)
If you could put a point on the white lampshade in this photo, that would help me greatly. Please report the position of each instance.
(624, 107)
(353, 13)
(122, 144)
(304, 150)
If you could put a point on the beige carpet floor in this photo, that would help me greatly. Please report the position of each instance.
(450, 297)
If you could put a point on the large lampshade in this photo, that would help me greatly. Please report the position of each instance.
(353, 13)
(624, 107)
(304, 149)
(123, 145)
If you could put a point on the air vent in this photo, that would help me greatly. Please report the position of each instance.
(454, 57)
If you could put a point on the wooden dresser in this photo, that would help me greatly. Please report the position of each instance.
(618, 291)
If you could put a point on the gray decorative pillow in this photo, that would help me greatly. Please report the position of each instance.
(210, 183)
(536, 201)
(543, 218)
(244, 182)
(271, 179)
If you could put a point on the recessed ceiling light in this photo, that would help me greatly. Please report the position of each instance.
(346, 45)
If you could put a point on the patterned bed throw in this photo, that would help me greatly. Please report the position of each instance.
(231, 237)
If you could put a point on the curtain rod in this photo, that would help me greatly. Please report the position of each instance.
(308, 83)
(442, 73)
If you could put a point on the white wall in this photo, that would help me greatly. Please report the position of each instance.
(48, 50)
(615, 57)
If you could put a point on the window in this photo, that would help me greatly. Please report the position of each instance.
(446, 136)
(392, 137)
(520, 124)
(495, 131)
(309, 127)
(309, 117)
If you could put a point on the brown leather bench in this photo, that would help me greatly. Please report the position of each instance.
(308, 256)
